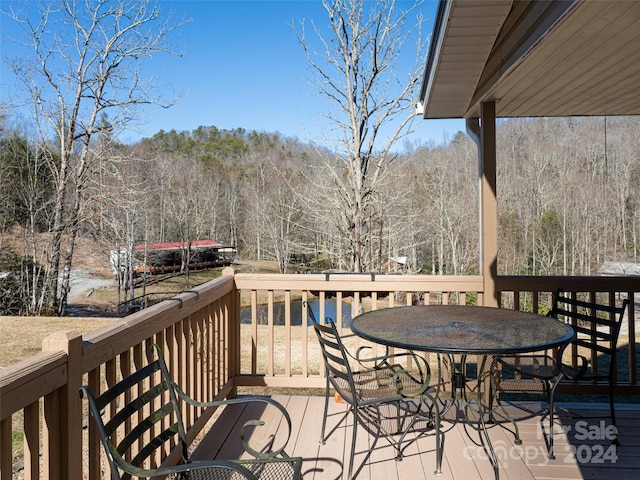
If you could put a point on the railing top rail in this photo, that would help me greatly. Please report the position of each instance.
(358, 282)
(33, 377)
(595, 283)
(103, 344)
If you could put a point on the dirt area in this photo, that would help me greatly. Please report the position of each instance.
(22, 336)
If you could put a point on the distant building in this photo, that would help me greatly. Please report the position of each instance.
(166, 257)
(396, 264)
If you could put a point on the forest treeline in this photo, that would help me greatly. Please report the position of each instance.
(568, 193)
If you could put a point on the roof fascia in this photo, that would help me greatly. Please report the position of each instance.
(437, 40)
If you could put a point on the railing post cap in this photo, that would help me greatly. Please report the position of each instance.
(61, 340)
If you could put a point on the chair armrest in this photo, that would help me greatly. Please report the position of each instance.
(384, 360)
(249, 423)
(343, 336)
(362, 360)
(575, 373)
(422, 371)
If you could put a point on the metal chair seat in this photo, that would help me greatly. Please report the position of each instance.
(543, 367)
(376, 384)
(274, 468)
(241, 470)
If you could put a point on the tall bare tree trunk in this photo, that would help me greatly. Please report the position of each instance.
(78, 75)
(357, 75)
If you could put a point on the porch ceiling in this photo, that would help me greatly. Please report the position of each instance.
(534, 58)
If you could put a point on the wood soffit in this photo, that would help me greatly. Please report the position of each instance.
(534, 58)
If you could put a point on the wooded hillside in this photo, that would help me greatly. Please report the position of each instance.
(568, 192)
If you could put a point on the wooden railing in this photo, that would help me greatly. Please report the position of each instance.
(297, 354)
(211, 352)
(198, 333)
(263, 364)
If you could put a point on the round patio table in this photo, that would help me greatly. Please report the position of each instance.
(462, 330)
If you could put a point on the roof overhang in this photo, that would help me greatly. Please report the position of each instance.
(533, 58)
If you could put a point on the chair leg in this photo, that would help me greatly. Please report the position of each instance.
(324, 417)
(550, 392)
(613, 412)
(353, 441)
(398, 420)
(439, 443)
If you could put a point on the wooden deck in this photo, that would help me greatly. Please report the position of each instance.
(582, 449)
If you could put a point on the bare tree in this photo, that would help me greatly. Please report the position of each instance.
(86, 59)
(25, 201)
(357, 72)
(116, 210)
(283, 218)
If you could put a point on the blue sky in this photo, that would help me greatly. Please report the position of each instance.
(243, 67)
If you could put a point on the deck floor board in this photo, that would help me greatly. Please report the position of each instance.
(581, 445)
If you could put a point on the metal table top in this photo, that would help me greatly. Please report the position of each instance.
(458, 329)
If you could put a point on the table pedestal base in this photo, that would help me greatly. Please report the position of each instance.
(470, 402)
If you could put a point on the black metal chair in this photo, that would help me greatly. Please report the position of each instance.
(597, 328)
(367, 385)
(148, 423)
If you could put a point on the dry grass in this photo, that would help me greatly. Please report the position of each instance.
(22, 336)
